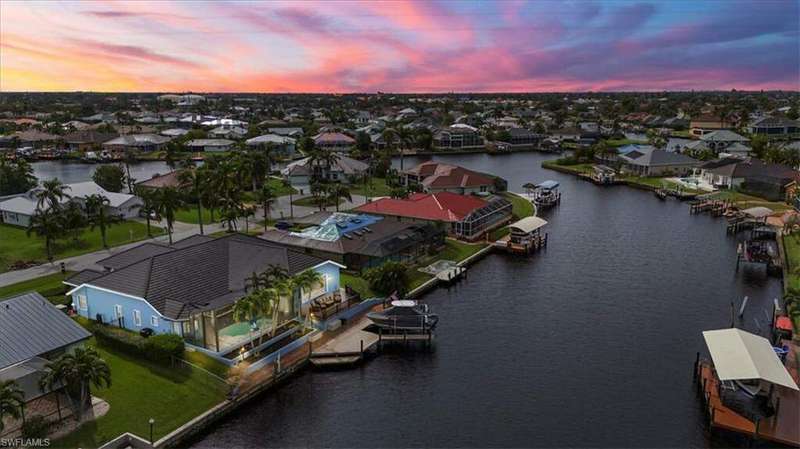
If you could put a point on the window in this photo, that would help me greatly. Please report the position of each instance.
(137, 318)
(82, 303)
(117, 311)
(154, 321)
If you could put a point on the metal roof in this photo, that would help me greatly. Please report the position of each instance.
(740, 355)
(31, 326)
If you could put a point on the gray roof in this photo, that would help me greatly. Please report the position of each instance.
(723, 135)
(192, 277)
(133, 255)
(31, 326)
(209, 143)
(344, 164)
(83, 277)
(658, 158)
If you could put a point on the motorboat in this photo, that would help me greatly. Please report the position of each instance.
(405, 315)
(546, 194)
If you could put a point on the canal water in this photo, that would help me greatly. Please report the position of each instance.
(590, 343)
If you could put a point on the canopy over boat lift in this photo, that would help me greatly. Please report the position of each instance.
(524, 236)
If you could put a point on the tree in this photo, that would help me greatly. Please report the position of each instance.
(46, 224)
(128, 158)
(97, 212)
(11, 401)
(196, 180)
(79, 371)
(319, 193)
(266, 196)
(168, 201)
(110, 177)
(16, 176)
(338, 191)
(306, 281)
(148, 197)
(52, 193)
(388, 278)
(73, 219)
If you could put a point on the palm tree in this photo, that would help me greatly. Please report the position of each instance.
(46, 224)
(78, 371)
(98, 215)
(274, 273)
(11, 401)
(148, 197)
(247, 211)
(196, 180)
(338, 191)
(319, 192)
(306, 281)
(168, 201)
(266, 196)
(280, 291)
(52, 193)
(73, 219)
(128, 158)
(255, 305)
(405, 137)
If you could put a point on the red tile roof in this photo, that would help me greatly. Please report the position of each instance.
(333, 138)
(442, 206)
(443, 176)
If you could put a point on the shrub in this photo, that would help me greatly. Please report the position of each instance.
(388, 278)
(162, 347)
(35, 428)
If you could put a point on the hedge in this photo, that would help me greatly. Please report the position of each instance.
(158, 348)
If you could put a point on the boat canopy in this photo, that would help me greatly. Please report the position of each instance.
(548, 185)
(758, 212)
(403, 303)
(528, 224)
(740, 355)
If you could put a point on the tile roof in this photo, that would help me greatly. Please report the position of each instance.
(443, 176)
(31, 326)
(440, 206)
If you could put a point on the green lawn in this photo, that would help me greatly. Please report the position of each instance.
(141, 390)
(189, 215)
(16, 246)
(377, 187)
(457, 251)
(623, 142)
(357, 283)
(49, 286)
(745, 201)
(281, 188)
(521, 207)
(206, 362)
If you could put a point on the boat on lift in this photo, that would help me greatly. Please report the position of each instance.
(546, 194)
(405, 315)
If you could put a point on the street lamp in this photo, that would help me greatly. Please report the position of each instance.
(152, 421)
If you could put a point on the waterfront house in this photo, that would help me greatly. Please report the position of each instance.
(458, 137)
(228, 132)
(35, 138)
(19, 209)
(721, 139)
(521, 138)
(772, 181)
(360, 241)
(189, 289)
(32, 332)
(334, 141)
(465, 216)
(435, 177)
(774, 126)
(706, 123)
(282, 146)
(87, 140)
(293, 132)
(138, 142)
(344, 169)
(210, 145)
(653, 162)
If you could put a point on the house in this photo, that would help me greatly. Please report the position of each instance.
(228, 132)
(360, 241)
(344, 169)
(210, 145)
(282, 146)
(775, 182)
(653, 162)
(707, 123)
(19, 209)
(138, 142)
(465, 216)
(35, 138)
(521, 138)
(293, 132)
(439, 177)
(174, 132)
(719, 140)
(457, 137)
(334, 141)
(190, 291)
(32, 332)
(158, 181)
(774, 126)
(87, 140)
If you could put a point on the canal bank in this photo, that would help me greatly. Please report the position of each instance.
(583, 344)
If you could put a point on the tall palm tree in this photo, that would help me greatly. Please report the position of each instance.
(259, 303)
(128, 158)
(52, 193)
(266, 196)
(11, 401)
(46, 224)
(281, 290)
(168, 202)
(405, 138)
(79, 371)
(319, 192)
(148, 197)
(97, 212)
(73, 219)
(274, 273)
(306, 281)
(195, 180)
(339, 191)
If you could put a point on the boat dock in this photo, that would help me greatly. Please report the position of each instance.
(347, 347)
(714, 207)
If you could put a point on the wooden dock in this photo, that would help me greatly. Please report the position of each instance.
(347, 347)
(781, 428)
(714, 207)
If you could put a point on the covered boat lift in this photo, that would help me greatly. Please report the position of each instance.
(525, 236)
(747, 388)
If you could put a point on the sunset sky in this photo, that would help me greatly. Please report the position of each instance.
(399, 46)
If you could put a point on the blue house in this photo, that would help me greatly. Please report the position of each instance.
(189, 289)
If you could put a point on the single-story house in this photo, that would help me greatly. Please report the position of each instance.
(210, 145)
(283, 146)
(360, 241)
(774, 126)
(654, 162)
(87, 139)
(333, 141)
(191, 290)
(32, 332)
(775, 182)
(719, 140)
(466, 216)
(139, 142)
(19, 210)
(344, 169)
(439, 177)
(228, 132)
(294, 132)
